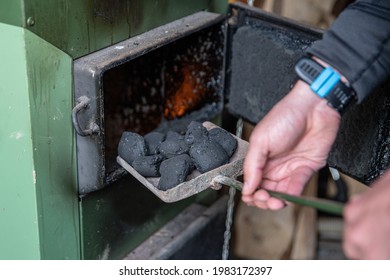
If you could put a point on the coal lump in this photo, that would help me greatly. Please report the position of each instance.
(173, 147)
(153, 141)
(148, 166)
(225, 139)
(196, 133)
(208, 155)
(131, 146)
(174, 171)
(173, 135)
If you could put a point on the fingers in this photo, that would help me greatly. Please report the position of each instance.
(352, 239)
(265, 203)
(263, 200)
(350, 249)
(292, 184)
(253, 166)
(271, 204)
(261, 196)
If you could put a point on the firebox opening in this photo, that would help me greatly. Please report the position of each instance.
(164, 89)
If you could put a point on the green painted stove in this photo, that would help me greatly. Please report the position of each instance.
(42, 215)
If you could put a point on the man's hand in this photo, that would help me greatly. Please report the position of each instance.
(367, 223)
(286, 148)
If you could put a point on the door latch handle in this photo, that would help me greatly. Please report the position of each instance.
(81, 104)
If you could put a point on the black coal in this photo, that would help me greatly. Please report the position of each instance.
(196, 133)
(174, 147)
(148, 166)
(224, 138)
(174, 171)
(153, 141)
(173, 156)
(131, 146)
(208, 155)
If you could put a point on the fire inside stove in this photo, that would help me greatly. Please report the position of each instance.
(191, 93)
(164, 89)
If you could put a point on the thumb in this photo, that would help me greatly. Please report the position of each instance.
(253, 169)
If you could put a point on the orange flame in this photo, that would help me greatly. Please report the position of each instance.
(189, 95)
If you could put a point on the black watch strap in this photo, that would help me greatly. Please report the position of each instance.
(326, 83)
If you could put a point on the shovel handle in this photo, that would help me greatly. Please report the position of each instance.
(331, 207)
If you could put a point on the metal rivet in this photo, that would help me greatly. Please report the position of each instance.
(30, 21)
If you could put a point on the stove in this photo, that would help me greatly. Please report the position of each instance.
(140, 66)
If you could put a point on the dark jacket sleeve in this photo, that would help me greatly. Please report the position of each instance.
(358, 45)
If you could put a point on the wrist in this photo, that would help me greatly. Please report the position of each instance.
(308, 101)
(302, 93)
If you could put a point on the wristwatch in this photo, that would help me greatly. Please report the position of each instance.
(326, 83)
